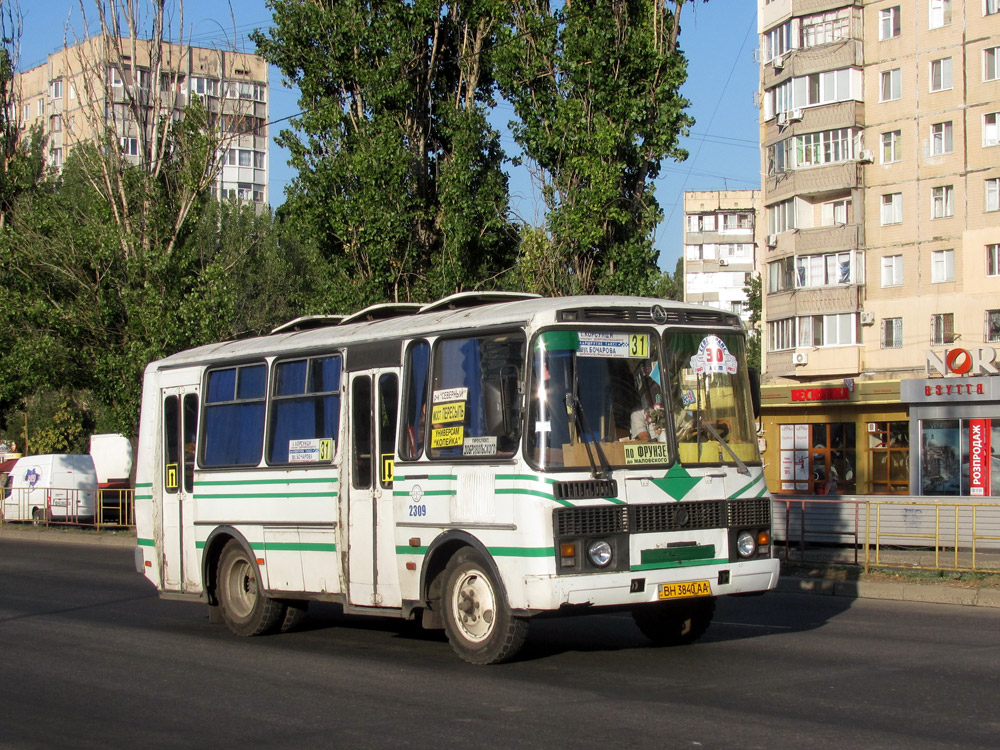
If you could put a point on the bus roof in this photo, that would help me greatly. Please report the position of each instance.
(452, 314)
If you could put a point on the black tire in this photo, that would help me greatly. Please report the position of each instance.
(675, 623)
(294, 614)
(245, 608)
(480, 626)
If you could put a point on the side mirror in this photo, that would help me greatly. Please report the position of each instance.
(755, 390)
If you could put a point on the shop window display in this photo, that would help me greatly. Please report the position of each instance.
(889, 454)
(818, 459)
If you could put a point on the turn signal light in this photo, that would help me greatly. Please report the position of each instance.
(567, 554)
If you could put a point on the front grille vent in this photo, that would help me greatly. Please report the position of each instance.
(750, 512)
(679, 516)
(593, 521)
(644, 315)
(586, 489)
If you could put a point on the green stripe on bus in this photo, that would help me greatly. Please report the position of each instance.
(262, 495)
(299, 547)
(678, 554)
(145, 542)
(522, 551)
(429, 478)
(743, 489)
(144, 485)
(679, 564)
(289, 480)
(405, 549)
(526, 478)
(426, 493)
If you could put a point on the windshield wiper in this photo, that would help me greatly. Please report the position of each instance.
(740, 466)
(583, 429)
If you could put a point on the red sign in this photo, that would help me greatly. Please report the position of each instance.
(979, 457)
(837, 393)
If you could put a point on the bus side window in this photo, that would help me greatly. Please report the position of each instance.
(171, 450)
(234, 416)
(411, 445)
(190, 439)
(361, 432)
(388, 399)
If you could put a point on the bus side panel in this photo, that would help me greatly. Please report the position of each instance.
(148, 482)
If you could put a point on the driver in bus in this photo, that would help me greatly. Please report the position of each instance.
(648, 418)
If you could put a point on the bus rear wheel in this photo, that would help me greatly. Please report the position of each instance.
(675, 623)
(246, 609)
(480, 626)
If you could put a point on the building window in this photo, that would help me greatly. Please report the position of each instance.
(114, 77)
(778, 41)
(993, 194)
(892, 333)
(40, 108)
(993, 260)
(27, 112)
(245, 157)
(889, 448)
(940, 13)
(823, 270)
(55, 123)
(888, 23)
(827, 330)
(942, 202)
(836, 213)
(817, 459)
(891, 86)
(991, 133)
(130, 146)
(823, 28)
(892, 209)
(781, 217)
(258, 159)
(990, 7)
(991, 64)
(892, 270)
(992, 326)
(942, 266)
(827, 147)
(781, 335)
(781, 275)
(941, 74)
(943, 328)
(56, 157)
(55, 89)
(890, 146)
(258, 194)
(942, 140)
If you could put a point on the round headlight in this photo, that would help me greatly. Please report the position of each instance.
(599, 553)
(746, 545)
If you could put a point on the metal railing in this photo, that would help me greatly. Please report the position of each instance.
(922, 533)
(94, 508)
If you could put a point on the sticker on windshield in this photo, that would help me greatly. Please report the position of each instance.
(451, 412)
(480, 446)
(447, 437)
(713, 356)
(451, 394)
(645, 453)
(615, 345)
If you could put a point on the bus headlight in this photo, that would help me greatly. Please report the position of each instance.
(746, 544)
(599, 553)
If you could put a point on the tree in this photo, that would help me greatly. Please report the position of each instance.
(755, 298)
(399, 180)
(667, 286)
(594, 85)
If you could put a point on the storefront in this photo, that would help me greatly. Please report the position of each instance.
(955, 434)
(836, 438)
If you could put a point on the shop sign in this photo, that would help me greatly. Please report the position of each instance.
(979, 457)
(967, 390)
(834, 393)
(980, 361)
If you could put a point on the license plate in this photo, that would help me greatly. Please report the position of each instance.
(684, 590)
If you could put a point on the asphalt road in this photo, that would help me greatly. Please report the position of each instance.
(90, 657)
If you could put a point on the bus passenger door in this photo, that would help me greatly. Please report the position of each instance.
(373, 579)
(180, 430)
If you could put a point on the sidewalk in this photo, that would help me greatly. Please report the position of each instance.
(963, 593)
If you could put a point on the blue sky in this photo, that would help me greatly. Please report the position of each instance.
(718, 37)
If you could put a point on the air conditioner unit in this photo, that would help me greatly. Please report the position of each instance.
(800, 358)
(867, 318)
(866, 157)
(778, 62)
(782, 118)
(795, 115)
(723, 261)
(772, 240)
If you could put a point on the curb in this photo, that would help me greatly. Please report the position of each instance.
(928, 593)
(67, 536)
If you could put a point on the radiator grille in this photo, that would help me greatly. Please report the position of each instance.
(711, 514)
(591, 521)
(586, 489)
(750, 512)
(677, 516)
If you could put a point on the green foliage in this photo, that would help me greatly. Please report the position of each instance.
(670, 286)
(594, 84)
(58, 422)
(399, 183)
(754, 293)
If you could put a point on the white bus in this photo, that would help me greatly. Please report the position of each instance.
(473, 462)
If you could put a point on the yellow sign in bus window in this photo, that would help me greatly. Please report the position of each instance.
(442, 413)
(171, 482)
(638, 345)
(446, 437)
(387, 468)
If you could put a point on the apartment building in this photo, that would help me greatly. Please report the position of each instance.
(82, 91)
(720, 247)
(880, 149)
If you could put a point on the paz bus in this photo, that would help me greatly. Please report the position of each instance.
(472, 463)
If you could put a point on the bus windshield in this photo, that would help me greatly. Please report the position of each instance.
(710, 397)
(603, 400)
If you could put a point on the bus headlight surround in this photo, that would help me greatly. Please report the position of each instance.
(599, 553)
(746, 544)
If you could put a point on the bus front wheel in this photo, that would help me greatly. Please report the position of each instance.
(480, 626)
(675, 623)
(246, 609)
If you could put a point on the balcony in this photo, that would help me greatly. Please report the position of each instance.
(816, 300)
(840, 361)
(802, 62)
(816, 118)
(828, 178)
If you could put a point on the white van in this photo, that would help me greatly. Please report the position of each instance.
(55, 487)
